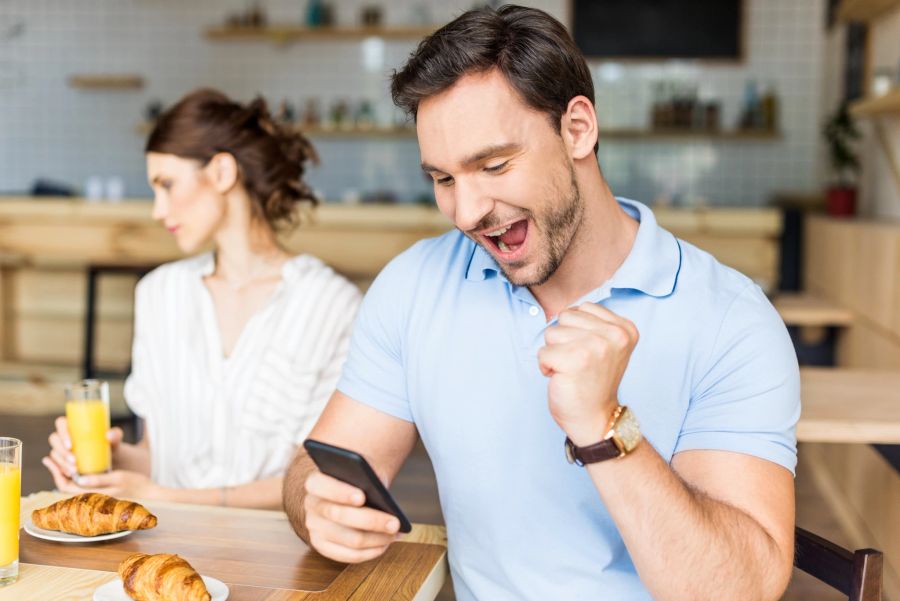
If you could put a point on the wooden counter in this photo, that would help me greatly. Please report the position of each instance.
(73, 233)
(854, 264)
(67, 232)
(811, 311)
(842, 405)
(46, 244)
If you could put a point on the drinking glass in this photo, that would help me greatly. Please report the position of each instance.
(10, 492)
(87, 413)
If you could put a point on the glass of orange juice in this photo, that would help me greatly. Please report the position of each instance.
(10, 491)
(87, 413)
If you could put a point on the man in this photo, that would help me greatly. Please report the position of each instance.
(519, 331)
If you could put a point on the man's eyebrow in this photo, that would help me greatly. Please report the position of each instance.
(479, 156)
(490, 151)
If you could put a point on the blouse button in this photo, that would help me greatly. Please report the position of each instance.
(533, 311)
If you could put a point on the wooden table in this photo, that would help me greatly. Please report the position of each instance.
(849, 406)
(814, 324)
(809, 310)
(254, 552)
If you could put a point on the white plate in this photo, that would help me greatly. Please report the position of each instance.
(65, 537)
(114, 591)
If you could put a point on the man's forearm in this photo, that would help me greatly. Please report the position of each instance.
(294, 492)
(684, 544)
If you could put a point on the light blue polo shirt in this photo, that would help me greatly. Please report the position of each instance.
(445, 341)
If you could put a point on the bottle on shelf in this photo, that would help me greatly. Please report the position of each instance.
(769, 108)
(751, 115)
(314, 9)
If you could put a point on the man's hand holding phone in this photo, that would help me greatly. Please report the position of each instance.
(349, 513)
(340, 526)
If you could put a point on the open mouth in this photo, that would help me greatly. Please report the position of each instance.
(508, 242)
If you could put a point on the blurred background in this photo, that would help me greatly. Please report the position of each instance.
(764, 131)
(81, 80)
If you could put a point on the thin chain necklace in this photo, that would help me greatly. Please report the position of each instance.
(254, 275)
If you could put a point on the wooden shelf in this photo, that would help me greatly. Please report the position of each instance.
(873, 417)
(811, 310)
(145, 128)
(687, 134)
(883, 105)
(864, 10)
(371, 132)
(605, 134)
(106, 82)
(400, 133)
(288, 33)
(613, 133)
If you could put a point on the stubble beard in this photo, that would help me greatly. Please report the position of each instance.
(559, 224)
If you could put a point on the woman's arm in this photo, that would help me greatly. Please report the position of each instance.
(260, 494)
(131, 457)
(131, 478)
(61, 460)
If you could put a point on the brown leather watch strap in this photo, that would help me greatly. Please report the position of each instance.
(601, 451)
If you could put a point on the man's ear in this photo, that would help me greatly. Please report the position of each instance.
(578, 127)
(223, 172)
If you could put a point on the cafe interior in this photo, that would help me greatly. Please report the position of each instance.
(765, 132)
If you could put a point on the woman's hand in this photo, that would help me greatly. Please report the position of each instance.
(61, 464)
(61, 447)
(117, 483)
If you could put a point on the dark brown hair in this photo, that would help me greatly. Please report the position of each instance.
(532, 49)
(271, 159)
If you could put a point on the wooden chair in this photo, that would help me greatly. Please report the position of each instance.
(857, 574)
(89, 369)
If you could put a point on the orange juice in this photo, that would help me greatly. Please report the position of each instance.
(88, 424)
(10, 491)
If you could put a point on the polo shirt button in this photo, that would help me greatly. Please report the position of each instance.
(533, 311)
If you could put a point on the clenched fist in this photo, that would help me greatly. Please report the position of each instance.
(585, 355)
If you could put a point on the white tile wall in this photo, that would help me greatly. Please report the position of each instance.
(48, 129)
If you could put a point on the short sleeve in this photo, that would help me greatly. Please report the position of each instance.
(138, 385)
(748, 398)
(374, 373)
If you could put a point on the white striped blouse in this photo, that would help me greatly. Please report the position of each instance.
(216, 421)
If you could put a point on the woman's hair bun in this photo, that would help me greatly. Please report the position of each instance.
(272, 156)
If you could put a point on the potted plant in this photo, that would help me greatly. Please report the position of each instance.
(840, 132)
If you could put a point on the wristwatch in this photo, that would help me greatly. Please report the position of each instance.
(622, 436)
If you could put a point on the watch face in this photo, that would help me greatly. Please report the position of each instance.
(570, 454)
(628, 430)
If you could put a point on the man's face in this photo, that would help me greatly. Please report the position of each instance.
(501, 174)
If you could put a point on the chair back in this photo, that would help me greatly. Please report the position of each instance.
(857, 574)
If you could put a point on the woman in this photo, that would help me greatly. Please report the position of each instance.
(236, 351)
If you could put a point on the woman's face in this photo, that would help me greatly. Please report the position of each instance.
(185, 199)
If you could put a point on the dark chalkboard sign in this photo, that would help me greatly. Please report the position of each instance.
(705, 29)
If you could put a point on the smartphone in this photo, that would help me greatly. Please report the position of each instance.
(352, 468)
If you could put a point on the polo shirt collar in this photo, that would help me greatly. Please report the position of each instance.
(651, 266)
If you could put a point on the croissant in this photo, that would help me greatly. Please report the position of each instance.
(162, 577)
(92, 514)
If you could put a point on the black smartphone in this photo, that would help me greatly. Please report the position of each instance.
(352, 468)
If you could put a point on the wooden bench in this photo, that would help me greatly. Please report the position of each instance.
(814, 324)
(807, 310)
(843, 405)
